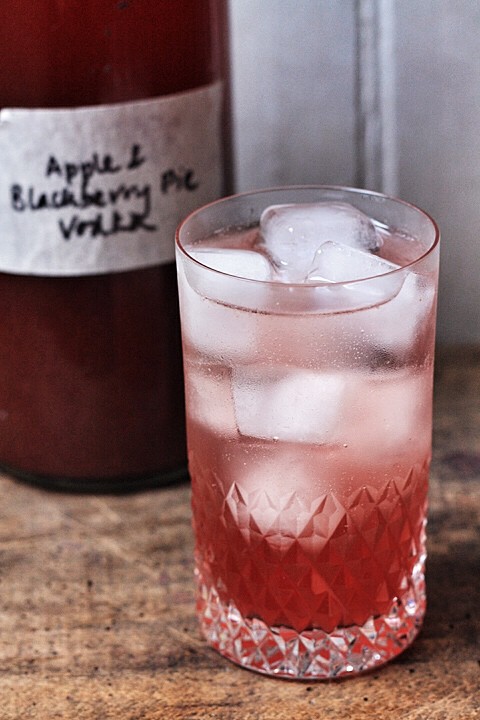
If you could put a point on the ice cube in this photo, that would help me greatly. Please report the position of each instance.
(336, 262)
(396, 405)
(214, 329)
(282, 493)
(241, 263)
(209, 398)
(287, 405)
(293, 233)
(279, 502)
(232, 284)
(395, 325)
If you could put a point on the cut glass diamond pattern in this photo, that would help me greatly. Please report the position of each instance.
(311, 588)
(311, 654)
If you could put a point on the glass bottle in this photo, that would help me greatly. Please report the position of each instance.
(114, 125)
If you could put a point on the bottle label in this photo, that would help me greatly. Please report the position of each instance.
(101, 189)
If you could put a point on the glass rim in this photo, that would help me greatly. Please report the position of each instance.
(292, 188)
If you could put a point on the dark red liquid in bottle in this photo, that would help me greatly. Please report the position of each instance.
(90, 369)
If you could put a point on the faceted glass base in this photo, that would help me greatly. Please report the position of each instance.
(312, 654)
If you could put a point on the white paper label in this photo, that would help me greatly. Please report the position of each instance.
(102, 189)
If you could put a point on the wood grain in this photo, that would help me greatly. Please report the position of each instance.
(96, 603)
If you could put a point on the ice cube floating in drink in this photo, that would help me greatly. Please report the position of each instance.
(308, 318)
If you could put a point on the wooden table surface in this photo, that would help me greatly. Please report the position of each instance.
(97, 618)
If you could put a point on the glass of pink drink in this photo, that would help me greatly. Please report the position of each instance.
(308, 338)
